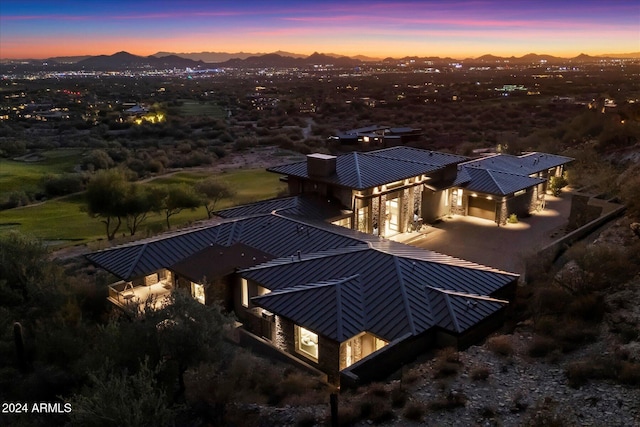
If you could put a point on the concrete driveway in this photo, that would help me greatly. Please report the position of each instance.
(503, 247)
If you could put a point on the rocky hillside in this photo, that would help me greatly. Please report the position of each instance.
(584, 371)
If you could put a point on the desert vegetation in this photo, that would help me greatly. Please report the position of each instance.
(100, 175)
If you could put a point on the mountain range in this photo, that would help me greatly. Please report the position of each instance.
(166, 60)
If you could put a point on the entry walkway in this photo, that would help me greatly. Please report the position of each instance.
(483, 241)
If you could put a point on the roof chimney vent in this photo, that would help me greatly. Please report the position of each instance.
(321, 165)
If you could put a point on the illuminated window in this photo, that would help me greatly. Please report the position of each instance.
(307, 343)
(459, 203)
(344, 222)
(446, 197)
(379, 343)
(245, 293)
(197, 292)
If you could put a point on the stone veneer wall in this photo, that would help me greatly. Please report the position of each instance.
(455, 209)
(417, 198)
(328, 350)
(405, 210)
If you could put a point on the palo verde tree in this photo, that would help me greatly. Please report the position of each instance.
(106, 199)
(173, 199)
(212, 191)
(139, 202)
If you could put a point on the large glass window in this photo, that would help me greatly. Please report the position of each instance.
(359, 347)
(245, 293)
(307, 342)
(392, 207)
(197, 292)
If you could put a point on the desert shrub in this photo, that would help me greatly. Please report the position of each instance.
(376, 409)
(479, 373)
(15, 199)
(219, 152)
(501, 345)
(347, 415)
(587, 307)
(97, 159)
(411, 377)
(629, 373)
(62, 184)
(581, 371)
(626, 332)
(450, 402)
(573, 333)
(551, 300)
(447, 363)
(606, 265)
(398, 397)
(519, 402)
(414, 411)
(546, 414)
(542, 346)
(377, 390)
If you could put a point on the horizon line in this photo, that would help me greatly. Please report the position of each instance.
(279, 51)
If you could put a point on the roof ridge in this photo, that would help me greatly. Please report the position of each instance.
(357, 166)
(338, 287)
(493, 178)
(452, 313)
(466, 295)
(310, 286)
(479, 159)
(405, 297)
(135, 261)
(326, 253)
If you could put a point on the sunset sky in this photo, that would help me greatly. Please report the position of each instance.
(43, 29)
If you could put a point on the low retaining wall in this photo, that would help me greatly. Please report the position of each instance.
(553, 250)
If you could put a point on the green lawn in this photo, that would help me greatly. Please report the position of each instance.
(27, 175)
(61, 222)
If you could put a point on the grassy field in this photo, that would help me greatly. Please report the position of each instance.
(27, 175)
(190, 108)
(61, 222)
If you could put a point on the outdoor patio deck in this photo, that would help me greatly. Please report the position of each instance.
(126, 296)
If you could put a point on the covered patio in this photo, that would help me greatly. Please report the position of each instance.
(127, 296)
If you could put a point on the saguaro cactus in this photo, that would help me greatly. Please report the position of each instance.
(18, 338)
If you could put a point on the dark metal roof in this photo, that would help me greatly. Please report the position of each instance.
(497, 183)
(271, 234)
(333, 308)
(306, 206)
(216, 261)
(526, 164)
(365, 170)
(394, 287)
(361, 170)
(457, 312)
(426, 157)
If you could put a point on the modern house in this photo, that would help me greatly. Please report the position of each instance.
(381, 191)
(338, 297)
(332, 298)
(378, 135)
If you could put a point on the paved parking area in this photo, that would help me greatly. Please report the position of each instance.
(503, 247)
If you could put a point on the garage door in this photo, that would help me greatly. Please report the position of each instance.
(482, 208)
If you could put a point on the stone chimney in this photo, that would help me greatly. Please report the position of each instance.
(321, 164)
